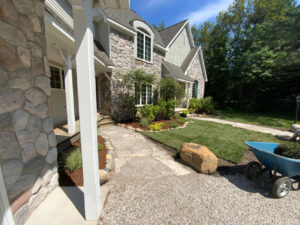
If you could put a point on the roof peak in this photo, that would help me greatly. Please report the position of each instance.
(183, 21)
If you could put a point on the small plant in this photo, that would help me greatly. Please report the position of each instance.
(184, 113)
(204, 105)
(149, 111)
(176, 116)
(100, 147)
(73, 159)
(156, 126)
(173, 124)
(144, 122)
(181, 121)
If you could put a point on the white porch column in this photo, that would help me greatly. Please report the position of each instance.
(82, 14)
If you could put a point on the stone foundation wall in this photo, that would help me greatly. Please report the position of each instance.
(28, 153)
(195, 72)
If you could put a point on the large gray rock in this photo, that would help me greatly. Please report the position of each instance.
(5, 122)
(12, 35)
(41, 111)
(295, 127)
(28, 153)
(41, 144)
(52, 139)
(48, 125)
(36, 96)
(34, 166)
(104, 176)
(37, 66)
(10, 99)
(12, 170)
(24, 55)
(9, 147)
(23, 138)
(20, 119)
(51, 156)
(23, 184)
(34, 126)
(21, 79)
(43, 83)
(9, 11)
(35, 50)
(36, 26)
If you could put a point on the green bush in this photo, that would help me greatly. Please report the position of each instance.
(204, 105)
(156, 126)
(173, 124)
(73, 159)
(181, 121)
(170, 88)
(124, 107)
(144, 122)
(100, 147)
(149, 111)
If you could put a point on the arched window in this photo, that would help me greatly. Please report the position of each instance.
(195, 89)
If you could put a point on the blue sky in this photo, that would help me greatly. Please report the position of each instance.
(174, 11)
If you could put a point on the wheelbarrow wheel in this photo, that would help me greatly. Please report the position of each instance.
(281, 187)
(252, 170)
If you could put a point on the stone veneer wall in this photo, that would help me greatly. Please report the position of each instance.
(28, 153)
(122, 55)
(195, 71)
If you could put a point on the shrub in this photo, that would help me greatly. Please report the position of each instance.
(124, 107)
(144, 122)
(149, 111)
(100, 147)
(181, 121)
(185, 111)
(156, 126)
(204, 105)
(73, 159)
(170, 88)
(173, 124)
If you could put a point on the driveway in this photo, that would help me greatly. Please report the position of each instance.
(149, 187)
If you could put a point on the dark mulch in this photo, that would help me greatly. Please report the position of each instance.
(75, 178)
(165, 122)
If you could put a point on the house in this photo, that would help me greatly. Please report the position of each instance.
(38, 44)
(122, 41)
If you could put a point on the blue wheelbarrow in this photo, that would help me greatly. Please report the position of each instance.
(273, 163)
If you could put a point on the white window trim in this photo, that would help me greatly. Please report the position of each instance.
(147, 93)
(139, 24)
(60, 75)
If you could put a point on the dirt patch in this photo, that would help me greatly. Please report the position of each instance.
(165, 122)
(75, 178)
(226, 167)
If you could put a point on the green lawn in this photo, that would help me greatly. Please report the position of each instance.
(224, 140)
(265, 119)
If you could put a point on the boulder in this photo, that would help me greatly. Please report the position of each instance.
(104, 176)
(295, 127)
(199, 157)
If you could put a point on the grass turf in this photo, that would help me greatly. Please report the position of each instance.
(265, 119)
(225, 141)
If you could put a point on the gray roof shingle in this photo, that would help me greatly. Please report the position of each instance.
(188, 59)
(169, 33)
(125, 17)
(177, 72)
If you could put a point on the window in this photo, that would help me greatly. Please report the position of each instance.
(57, 78)
(143, 94)
(143, 45)
(195, 89)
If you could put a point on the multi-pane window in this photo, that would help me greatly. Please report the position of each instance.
(195, 89)
(143, 45)
(143, 94)
(57, 78)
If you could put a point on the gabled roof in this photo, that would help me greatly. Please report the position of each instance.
(125, 17)
(189, 58)
(176, 72)
(169, 33)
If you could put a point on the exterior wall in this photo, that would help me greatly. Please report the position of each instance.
(195, 71)
(179, 49)
(102, 35)
(28, 153)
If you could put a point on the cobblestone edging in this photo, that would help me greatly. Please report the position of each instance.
(140, 130)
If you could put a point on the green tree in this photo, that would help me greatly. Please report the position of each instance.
(160, 26)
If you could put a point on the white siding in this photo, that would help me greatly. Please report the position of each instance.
(102, 35)
(179, 49)
(63, 9)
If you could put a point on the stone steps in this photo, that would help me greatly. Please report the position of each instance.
(105, 120)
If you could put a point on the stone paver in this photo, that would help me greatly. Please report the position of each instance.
(256, 128)
(150, 187)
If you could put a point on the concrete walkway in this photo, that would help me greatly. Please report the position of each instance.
(256, 128)
(150, 187)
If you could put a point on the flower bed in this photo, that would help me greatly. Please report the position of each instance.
(75, 177)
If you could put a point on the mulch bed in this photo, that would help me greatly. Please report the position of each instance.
(165, 122)
(75, 178)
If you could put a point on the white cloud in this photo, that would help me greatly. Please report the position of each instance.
(208, 12)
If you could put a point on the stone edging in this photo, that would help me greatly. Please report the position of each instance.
(110, 162)
(140, 130)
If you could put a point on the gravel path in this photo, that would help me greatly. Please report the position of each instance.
(256, 128)
(151, 188)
